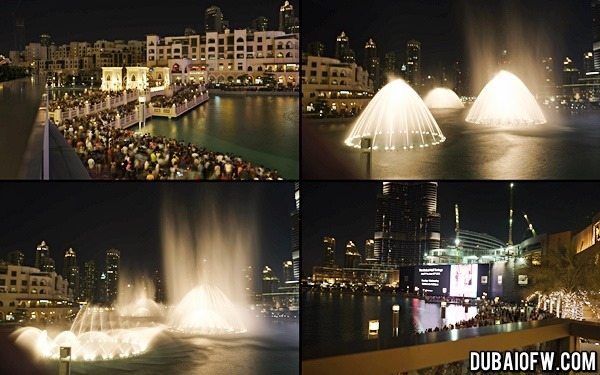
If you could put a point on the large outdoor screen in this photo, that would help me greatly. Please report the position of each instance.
(463, 280)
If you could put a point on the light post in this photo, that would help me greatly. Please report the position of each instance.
(141, 112)
(395, 319)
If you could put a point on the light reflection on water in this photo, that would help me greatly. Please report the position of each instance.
(564, 148)
(330, 319)
(261, 129)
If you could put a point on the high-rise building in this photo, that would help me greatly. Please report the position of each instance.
(371, 63)
(248, 274)
(42, 253)
(352, 257)
(413, 62)
(88, 290)
(407, 224)
(458, 79)
(329, 252)
(270, 282)
(213, 19)
(260, 24)
(113, 258)
(390, 64)
(16, 258)
(19, 33)
(548, 66)
(71, 272)
(570, 73)
(288, 22)
(288, 271)
(343, 52)
(504, 58)
(296, 233)
(370, 251)
(49, 265)
(316, 48)
(588, 62)
(596, 33)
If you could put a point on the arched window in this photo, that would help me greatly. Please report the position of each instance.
(240, 40)
(249, 68)
(132, 77)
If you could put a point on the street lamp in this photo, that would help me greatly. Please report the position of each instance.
(142, 112)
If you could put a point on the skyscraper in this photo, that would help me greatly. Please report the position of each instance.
(42, 254)
(407, 224)
(260, 23)
(19, 33)
(596, 33)
(390, 64)
(270, 282)
(316, 48)
(113, 257)
(213, 19)
(352, 257)
(71, 272)
(88, 291)
(588, 62)
(288, 22)
(371, 63)
(159, 288)
(413, 62)
(288, 271)
(16, 258)
(295, 216)
(343, 52)
(329, 252)
(370, 251)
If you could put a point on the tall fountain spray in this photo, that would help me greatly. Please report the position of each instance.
(136, 298)
(205, 249)
(506, 101)
(396, 119)
(443, 98)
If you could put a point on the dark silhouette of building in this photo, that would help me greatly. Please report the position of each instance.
(407, 224)
(413, 62)
(113, 258)
(16, 258)
(295, 216)
(88, 291)
(71, 272)
(213, 19)
(343, 52)
(316, 48)
(596, 33)
(260, 24)
(371, 64)
(42, 254)
(288, 22)
(329, 252)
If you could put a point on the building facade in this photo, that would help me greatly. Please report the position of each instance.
(113, 260)
(407, 225)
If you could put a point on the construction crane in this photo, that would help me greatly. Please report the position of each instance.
(529, 225)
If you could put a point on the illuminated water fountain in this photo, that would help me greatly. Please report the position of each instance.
(396, 119)
(443, 98)
(136, 299)
(506, 101)
(204, 253)
(98, 333)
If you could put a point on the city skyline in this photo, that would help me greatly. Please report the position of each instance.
(443, 28)
(113, 20)
(99, 224)
(483, 208)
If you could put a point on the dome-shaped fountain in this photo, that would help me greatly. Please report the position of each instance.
(206, 310)
(443, 98)
(396, 119)
(506, 101)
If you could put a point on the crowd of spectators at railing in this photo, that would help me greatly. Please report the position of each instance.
(78, 99)
(492, 314)
(110, 152)
(186, 93)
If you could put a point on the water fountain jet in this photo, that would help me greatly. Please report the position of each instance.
(443, 98)
(396, 119)
(506, 101)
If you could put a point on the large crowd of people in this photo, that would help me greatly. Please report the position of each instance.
(186, 93)
(79, 99)
(491, 314)
(110, 152)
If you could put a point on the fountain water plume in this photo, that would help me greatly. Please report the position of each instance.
(136, 298)
(205, 250)
(443, 98)
(506, 101)
(396, 119)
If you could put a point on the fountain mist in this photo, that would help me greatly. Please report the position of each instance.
(396, 119)
(443, 98)
(205, 249)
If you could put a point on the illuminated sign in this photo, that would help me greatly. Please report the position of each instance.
(463, 280)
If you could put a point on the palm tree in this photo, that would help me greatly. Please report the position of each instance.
(568, 278)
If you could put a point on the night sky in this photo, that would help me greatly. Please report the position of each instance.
(93, 217)
(346, 211)
(561, 27)
(73, 20)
